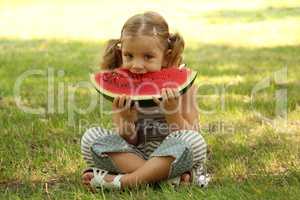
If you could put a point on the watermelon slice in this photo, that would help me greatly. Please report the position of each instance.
(142, 87)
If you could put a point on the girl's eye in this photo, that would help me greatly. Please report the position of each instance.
(148, 57)
(128, 56)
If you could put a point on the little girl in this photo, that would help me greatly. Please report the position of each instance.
(151, 144)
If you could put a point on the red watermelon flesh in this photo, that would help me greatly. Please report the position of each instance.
(142, 86)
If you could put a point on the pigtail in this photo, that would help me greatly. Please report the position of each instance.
(112, 57)
(176, 44)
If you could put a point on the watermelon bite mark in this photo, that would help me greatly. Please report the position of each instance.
(142, 87)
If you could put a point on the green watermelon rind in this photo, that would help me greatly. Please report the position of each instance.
(143, 100)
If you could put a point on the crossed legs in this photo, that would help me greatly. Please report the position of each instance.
(138, 171)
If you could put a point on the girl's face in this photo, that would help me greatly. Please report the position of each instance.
(141, 54)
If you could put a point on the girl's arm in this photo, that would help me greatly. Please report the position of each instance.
(188, 116)
(124, 118)
(126, 129)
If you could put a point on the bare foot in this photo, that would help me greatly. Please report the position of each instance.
(185, 178)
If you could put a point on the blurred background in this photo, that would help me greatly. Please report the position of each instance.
(251, 23)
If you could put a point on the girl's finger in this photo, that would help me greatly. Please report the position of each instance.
(122, 101)
(176, 93)
(164, 94)
(135, 105)
(128, 102)
(126, 99)
(170, 93)
(156, 100)
(116, 102)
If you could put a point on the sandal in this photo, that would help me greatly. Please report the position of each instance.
(198, 176)
(98, 182)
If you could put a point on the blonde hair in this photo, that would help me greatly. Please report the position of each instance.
(150, 24)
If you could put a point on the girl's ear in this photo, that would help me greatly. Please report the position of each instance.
(166, 58)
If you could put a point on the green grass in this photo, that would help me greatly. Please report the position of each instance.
(249, 158)
(235, 16)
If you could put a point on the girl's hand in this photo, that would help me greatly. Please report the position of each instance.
(170, 101)
(122, 106)
(124, 117)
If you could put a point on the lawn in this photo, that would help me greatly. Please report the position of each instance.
(247, 56)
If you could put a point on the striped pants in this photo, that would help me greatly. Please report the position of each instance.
(186, 146)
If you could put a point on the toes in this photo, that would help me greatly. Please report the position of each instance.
(185, 178)
(87, 177)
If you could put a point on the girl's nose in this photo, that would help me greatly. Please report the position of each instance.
(137, 67)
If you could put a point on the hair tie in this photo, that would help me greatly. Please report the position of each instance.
(169, 43)
(118, 44)
(169, 40)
